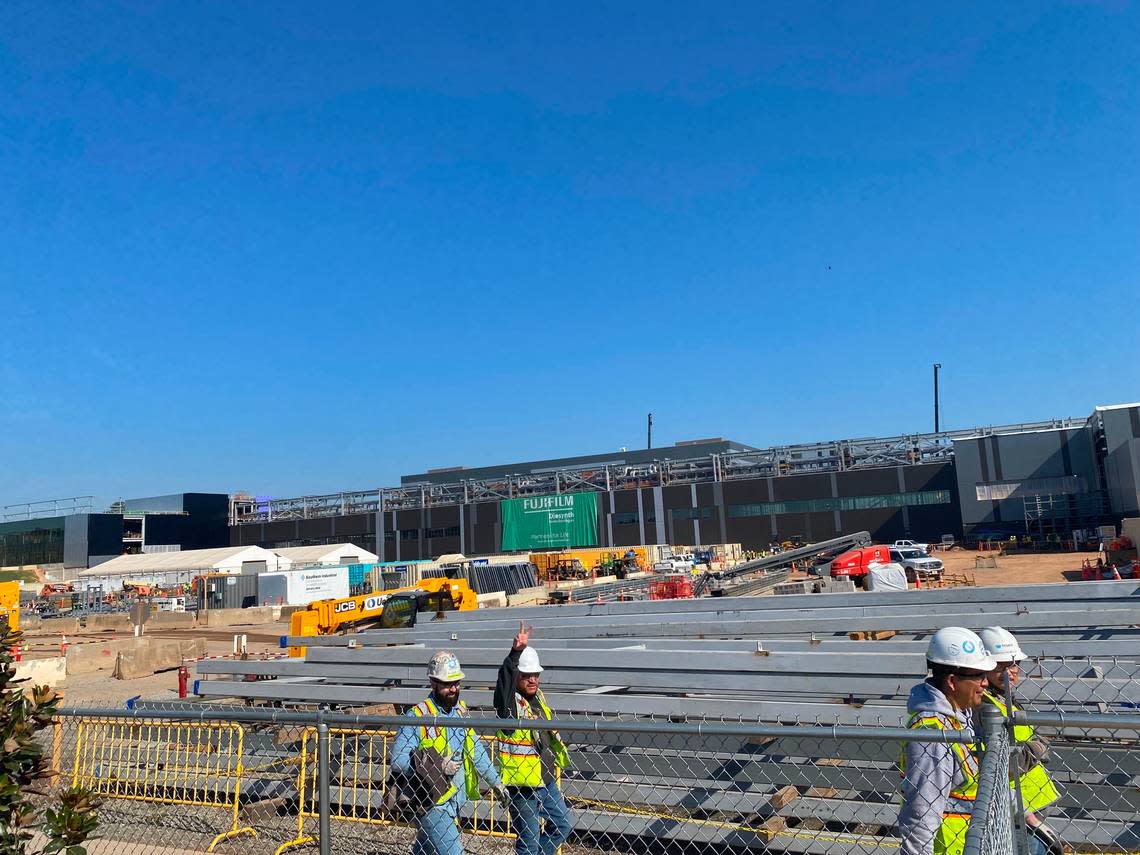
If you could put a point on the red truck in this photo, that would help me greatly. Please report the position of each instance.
(853, 564)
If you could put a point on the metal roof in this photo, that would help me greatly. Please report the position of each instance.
(190, 559)
(326, 552)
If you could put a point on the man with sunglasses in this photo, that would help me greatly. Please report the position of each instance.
(1037, 789)
(529, 759)
(455, 759)
(940, 780)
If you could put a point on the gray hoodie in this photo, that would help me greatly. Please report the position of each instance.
(932, 771)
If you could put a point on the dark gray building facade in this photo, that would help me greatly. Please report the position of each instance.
(1044, 479)
(891, 502)
(82, 540)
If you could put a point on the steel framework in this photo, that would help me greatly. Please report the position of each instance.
(837, 456)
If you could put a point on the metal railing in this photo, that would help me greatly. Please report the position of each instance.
(260, 780)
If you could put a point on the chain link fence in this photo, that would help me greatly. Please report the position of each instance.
(266, 781)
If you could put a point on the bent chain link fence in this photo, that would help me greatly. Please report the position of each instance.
(264, 781)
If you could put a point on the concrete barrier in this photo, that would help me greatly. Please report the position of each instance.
(492, 600)
(528, 596)
(108, 623)
(92, 656)
(192, 648)
(171, 620)
(55, 626)
(237, 617)
(30, 622)
(42, 672)
(155, 655)
(286, 612)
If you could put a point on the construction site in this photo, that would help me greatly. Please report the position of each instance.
(728, 641)
(755, 704)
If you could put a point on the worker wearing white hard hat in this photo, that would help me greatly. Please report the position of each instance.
(529, 759)
(1037, 788)
(940, 779)
(441, 764)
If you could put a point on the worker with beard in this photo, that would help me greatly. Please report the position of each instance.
(529, 759)
(444, 762)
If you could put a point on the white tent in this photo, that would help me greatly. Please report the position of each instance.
(328, 554)
(172, 568)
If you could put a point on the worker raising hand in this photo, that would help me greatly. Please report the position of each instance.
(522, 638)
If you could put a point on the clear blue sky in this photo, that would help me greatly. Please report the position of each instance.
(293, 248)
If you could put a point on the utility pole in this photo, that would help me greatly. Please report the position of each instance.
(937, 365)
(649, 432)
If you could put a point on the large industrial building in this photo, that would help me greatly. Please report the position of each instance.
(1046, 480)
(69, 535)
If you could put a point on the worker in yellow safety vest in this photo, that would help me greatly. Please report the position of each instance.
(940, 779)
(529, 759)
(1037, 789)
(448, 760)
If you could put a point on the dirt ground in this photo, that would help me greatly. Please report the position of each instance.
(1017, 569)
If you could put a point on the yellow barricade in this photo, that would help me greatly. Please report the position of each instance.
(164, 762)
(358, 770)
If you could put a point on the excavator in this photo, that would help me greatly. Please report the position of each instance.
(396, 608)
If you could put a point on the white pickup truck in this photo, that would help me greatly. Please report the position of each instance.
(910, 544)
(676, 564)
(917, 563)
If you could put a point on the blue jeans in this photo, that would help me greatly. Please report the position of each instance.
(438, 834)
(530, 803)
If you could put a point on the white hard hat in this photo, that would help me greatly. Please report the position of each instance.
(444, 667)
(958, 647)
(528, 662)
(1001, 644)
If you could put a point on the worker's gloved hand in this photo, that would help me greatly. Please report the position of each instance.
(1049, 837)
(502, 793)
(449, 766)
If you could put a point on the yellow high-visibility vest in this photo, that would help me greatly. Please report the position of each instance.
(950, 839)
(519, 763)
(1037, 788)
(436, 739)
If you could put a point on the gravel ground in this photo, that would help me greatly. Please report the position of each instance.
(100, 689)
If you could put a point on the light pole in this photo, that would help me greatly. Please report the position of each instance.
(937, 365)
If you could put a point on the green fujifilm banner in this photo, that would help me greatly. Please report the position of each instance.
(543, 522)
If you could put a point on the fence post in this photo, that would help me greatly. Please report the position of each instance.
(1020, 831)
(990, 831)
(325, 841)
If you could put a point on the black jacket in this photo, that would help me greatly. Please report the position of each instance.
(505, 686)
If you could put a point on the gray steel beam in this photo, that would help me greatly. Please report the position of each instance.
(1015, 621)
(1074, 594)
(699, 708)
(1124, 649)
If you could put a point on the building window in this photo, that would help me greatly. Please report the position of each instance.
(452, 531)
(389, 537)
(1065, 485)
(843, 503)
(409, 534)
(692, 514)
(626, 519)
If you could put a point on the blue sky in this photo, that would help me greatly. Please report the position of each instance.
(287, 249)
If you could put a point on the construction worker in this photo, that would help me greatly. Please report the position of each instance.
(940, 780)
(1037, 789)
(462, 759)
(529, 760)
